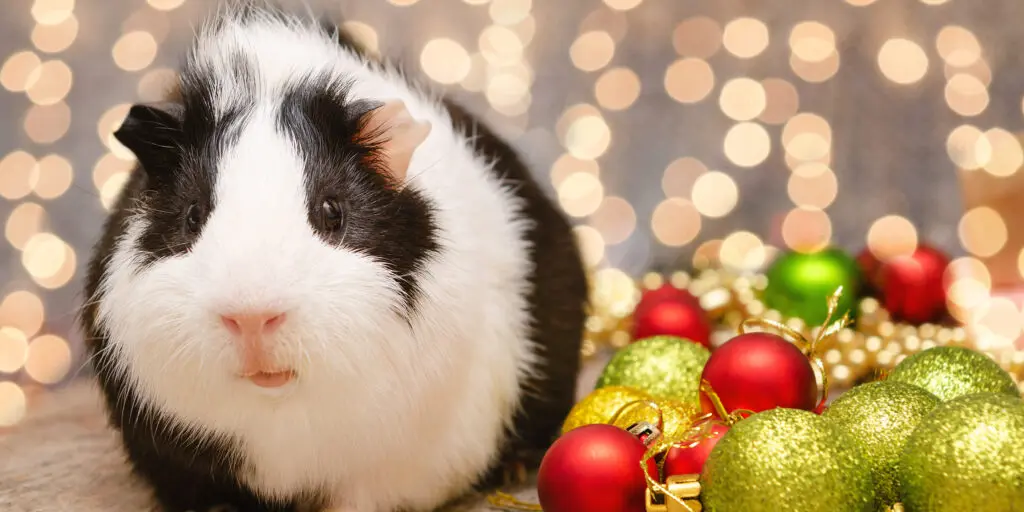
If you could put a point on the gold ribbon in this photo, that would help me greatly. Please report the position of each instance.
(808, 347)
(506, 501)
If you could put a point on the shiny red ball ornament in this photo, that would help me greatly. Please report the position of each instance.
(594, 468)
(671, 311)
(911, 286)
(688, 460)
(758, 371)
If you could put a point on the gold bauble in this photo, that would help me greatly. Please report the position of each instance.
(623, 406)
(880, 416)
(676, 417)
(601, 405)
(967, 454)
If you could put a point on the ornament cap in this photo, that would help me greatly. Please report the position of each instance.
(684, 491)
(647, 433)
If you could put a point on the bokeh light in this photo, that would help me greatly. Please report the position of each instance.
(12, 404)
(714, 194)
(966, 95)
(20, 70)
(13, 349)
(902, 61)
(781, 101)
(892, 236)
(745, 37)
(55, 38)
(49, 359)
(747, 144)
(742, 99)
(135, 51)
(689, 80)
(445, 60)
(699, 37)
(806, 229)
(617, 88)
(676, 222)
(982, 231)
(680, 176)
(592, 50)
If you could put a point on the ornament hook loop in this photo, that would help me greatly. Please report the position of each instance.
(649, 403)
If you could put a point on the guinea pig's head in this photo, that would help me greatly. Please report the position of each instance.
(273, 243)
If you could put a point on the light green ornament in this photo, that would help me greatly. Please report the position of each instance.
(787, 460)
(948, 372)
(880, 416)
(967, 454)
(665, 367)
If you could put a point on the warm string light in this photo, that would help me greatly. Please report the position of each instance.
(751, 87)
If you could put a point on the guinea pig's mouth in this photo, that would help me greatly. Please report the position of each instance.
(270, 378)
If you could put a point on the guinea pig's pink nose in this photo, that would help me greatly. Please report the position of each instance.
(253, 324)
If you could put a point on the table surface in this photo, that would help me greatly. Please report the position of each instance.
(64, 457)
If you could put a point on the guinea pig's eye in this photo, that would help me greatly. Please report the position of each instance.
(332, 217)
(193, 219)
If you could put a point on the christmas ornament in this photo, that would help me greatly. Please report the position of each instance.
(786, 459)
(671, 311)
(949, 372)
(968, 454)
(759, 371)
(911, 286)
(799, 282)
(672, 418)
(689, 458)
(601, 405)
(756, 371)
(870, 271)
(880, 416)
(594, 468)
(665, 367)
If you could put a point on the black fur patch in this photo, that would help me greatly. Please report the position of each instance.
(178, 145)
(391, 223)
(557, 303)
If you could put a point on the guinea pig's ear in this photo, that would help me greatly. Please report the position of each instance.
(151, 132)
(398, 134)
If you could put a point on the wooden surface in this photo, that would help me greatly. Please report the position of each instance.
(63, 457)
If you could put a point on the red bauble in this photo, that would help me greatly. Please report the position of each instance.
(871, 270)
(758, 371)
(671, 311)
(911, 286)
(683, 460)
(594, 468)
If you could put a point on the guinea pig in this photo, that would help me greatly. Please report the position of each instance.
(325, 285)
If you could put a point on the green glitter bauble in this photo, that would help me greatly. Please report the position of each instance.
(949, 372)
(968, 454)
(786, 460)
(799, 284)
(880, 416)
(665, 367)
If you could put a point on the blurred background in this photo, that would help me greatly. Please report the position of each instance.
(671, 131)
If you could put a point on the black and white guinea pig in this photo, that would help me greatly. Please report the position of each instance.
(324, 286)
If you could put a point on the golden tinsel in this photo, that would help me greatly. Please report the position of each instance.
(857, 354)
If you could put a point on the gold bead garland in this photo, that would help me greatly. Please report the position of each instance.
(864, 352)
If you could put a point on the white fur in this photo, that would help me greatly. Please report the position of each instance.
(384, 415)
